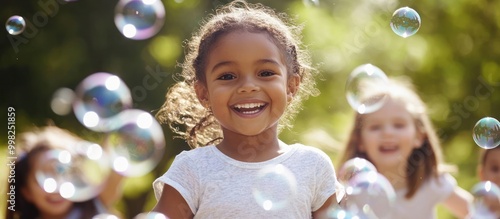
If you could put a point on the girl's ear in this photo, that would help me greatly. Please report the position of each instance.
(292, 87)
(201, 93)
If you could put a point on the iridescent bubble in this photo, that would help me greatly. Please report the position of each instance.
(486, 133)
(78, 175)
(481, 190)
(137, 142)
(15, 25)
(264, 188)
(370, 194)
(139, 19)
(150, 215)
(405, 22)
(62, 101)
(366, 88)
(99, 97)
(354, 166)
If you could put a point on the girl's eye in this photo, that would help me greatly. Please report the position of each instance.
(374, 127)
(267, 73)
(226, 77)
(399, 125)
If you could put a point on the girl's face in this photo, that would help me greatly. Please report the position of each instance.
(389, 135)
(490, 171)
(246, 83)
(50, 205)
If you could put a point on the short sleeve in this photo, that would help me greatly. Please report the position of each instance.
(444, 186)
(183, 177)
(326, 181)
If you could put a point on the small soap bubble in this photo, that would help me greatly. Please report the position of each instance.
(354, 166)
(366, 88)
(486, 133)
(62, 101)
(405, 22)
(267, 196)
(139, 19)
(137, 142)
(15, 25)
(99, 97)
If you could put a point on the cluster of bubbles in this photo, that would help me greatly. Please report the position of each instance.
(368, 194)
(135, 19)
(366, 88)
(134, 140)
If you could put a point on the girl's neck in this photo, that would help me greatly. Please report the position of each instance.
(257, 148)
(395, 175)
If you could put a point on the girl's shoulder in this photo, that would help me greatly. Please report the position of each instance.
(306, 150)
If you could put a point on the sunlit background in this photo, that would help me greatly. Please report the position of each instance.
(449, 49)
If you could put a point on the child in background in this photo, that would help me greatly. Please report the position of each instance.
(400, 141)
(32, 201)
(489, 170)
(245, 76)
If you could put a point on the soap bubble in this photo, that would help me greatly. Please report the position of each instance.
(137, 142)
(99, 97)
(78, 175)
(486, 133)
(15, 25)
(269, 197)
(370, 194)
(62, 101)
(354, 166)
(405, 22)
(480, 191)
(366, 88)
(139, 19)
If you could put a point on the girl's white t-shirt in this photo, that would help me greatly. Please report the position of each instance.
(423, 203)
(291, 185)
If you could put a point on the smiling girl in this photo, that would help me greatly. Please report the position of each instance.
(244, 79)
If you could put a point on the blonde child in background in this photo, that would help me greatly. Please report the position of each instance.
(400, 141)
(245, 76)
(32, 201)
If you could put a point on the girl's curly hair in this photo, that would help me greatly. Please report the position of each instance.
(182, 108)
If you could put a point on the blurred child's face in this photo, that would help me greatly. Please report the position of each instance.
(490, 171)
(246, 87)
(389, 135)
(49, 204)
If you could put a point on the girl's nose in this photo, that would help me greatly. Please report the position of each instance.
(248, 84)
